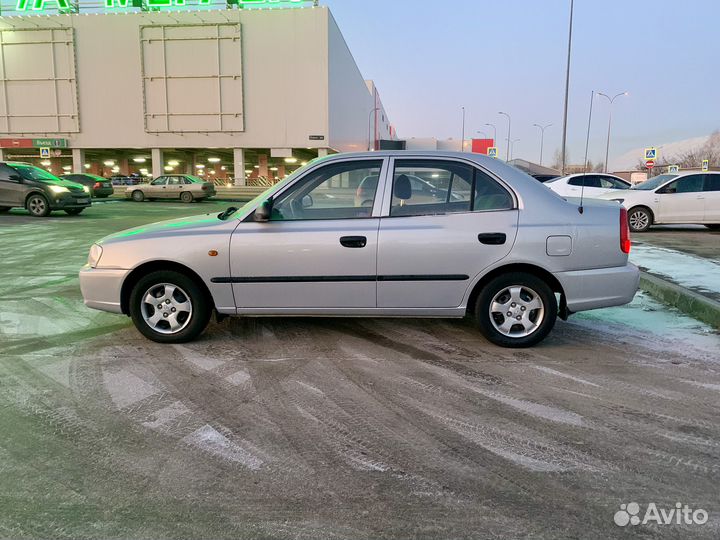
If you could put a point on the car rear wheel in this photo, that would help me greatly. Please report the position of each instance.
(37, 205)
(74, 211)
(138, 196)
(516, 310)
(186, 197)
(169, 307)
(640, 219)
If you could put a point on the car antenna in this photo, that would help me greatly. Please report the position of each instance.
(587, 143)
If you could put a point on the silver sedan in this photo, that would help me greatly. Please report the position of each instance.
(482, 239)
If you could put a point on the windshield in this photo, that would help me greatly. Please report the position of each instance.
(28, 172)
(654, 182)
(554, 180)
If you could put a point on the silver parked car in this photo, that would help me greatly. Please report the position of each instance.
(486, 240)
(185, 187)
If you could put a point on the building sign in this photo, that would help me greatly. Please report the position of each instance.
(33, 143)
(52, 143)
(65, 6)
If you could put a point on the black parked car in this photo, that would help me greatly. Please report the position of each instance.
(99, 187)
(26, 186)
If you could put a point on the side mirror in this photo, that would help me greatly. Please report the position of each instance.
(263, 211)
(307, 201)
(669, 190)
(16, 178)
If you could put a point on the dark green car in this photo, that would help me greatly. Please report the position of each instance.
(25, 186)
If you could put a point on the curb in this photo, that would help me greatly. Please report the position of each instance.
(689, 302)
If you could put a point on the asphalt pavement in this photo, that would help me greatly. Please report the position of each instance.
(337, 428)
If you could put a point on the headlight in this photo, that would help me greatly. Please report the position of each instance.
(94, 255)
(59, 189)
(86, 189)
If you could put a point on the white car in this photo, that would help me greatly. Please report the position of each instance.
(672, 198)
(595, 184)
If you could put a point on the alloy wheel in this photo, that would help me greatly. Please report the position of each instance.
(517, 311)
(166, 308)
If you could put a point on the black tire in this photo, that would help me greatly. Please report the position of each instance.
(5, 209)
(74, 211)
(193, 325)
(527, 283)
(186, 197)
(713, 227)
(138, 195)
(37, 205)
(640, 219)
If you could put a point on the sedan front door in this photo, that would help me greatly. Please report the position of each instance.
(157, 189)
(430, 251)
(318, 252)
(682, 201)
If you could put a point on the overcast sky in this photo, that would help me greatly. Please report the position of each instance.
(431, 57)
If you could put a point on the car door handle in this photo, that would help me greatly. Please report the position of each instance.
(492, 239)
(353, 241)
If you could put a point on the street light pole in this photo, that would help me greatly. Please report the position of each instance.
(607, 147)
(542, 138)
(462, 140)
(494, 133)
(511, 144)
(563, 156)
(369, 124)
(507, 156)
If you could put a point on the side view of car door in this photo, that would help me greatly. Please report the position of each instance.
(318, 250)
(12, 191)
(429, 251)
(157, 188)
(712, 199)
(682, 201)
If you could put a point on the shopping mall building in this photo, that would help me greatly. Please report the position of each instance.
(245, 91)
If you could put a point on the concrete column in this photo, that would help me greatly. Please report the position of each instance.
(322, 152)
(124, 166)
(157, 162)
(239, 166)
(2, 155)
(263, 162)
(78, 157)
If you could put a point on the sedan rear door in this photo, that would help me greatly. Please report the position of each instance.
(430, 251)
(712, 199)
(12, 190)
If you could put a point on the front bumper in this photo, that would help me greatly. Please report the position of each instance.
(69, 200)
(599, 288)
(101, 287)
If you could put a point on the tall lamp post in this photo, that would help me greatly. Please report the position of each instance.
(511, 144)
(542, 138)
(369, 125)
(563, 153)
(462, 140)
(610, 99)
(494, 133)
(507, 156)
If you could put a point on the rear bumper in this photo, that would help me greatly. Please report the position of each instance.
(103, 192)
(101, 287)
(599, 288)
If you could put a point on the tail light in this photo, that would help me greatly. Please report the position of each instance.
(97, 185)
(625, 243)
(205, 187)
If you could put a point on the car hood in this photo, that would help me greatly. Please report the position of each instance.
(201, 224)
(60, 182)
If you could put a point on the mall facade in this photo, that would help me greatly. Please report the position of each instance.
(241, 95)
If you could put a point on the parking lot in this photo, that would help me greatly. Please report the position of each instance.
(349, 428)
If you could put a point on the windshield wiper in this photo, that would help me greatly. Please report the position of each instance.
(227, 213)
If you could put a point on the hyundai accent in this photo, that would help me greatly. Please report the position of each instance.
(486, 240)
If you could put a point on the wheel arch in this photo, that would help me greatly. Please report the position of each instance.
(35, 191)
(527, 268)
(152, 266)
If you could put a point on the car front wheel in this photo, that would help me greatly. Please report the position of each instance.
(640, 219)
(169, 307)
(516, 310)
(37, 205)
